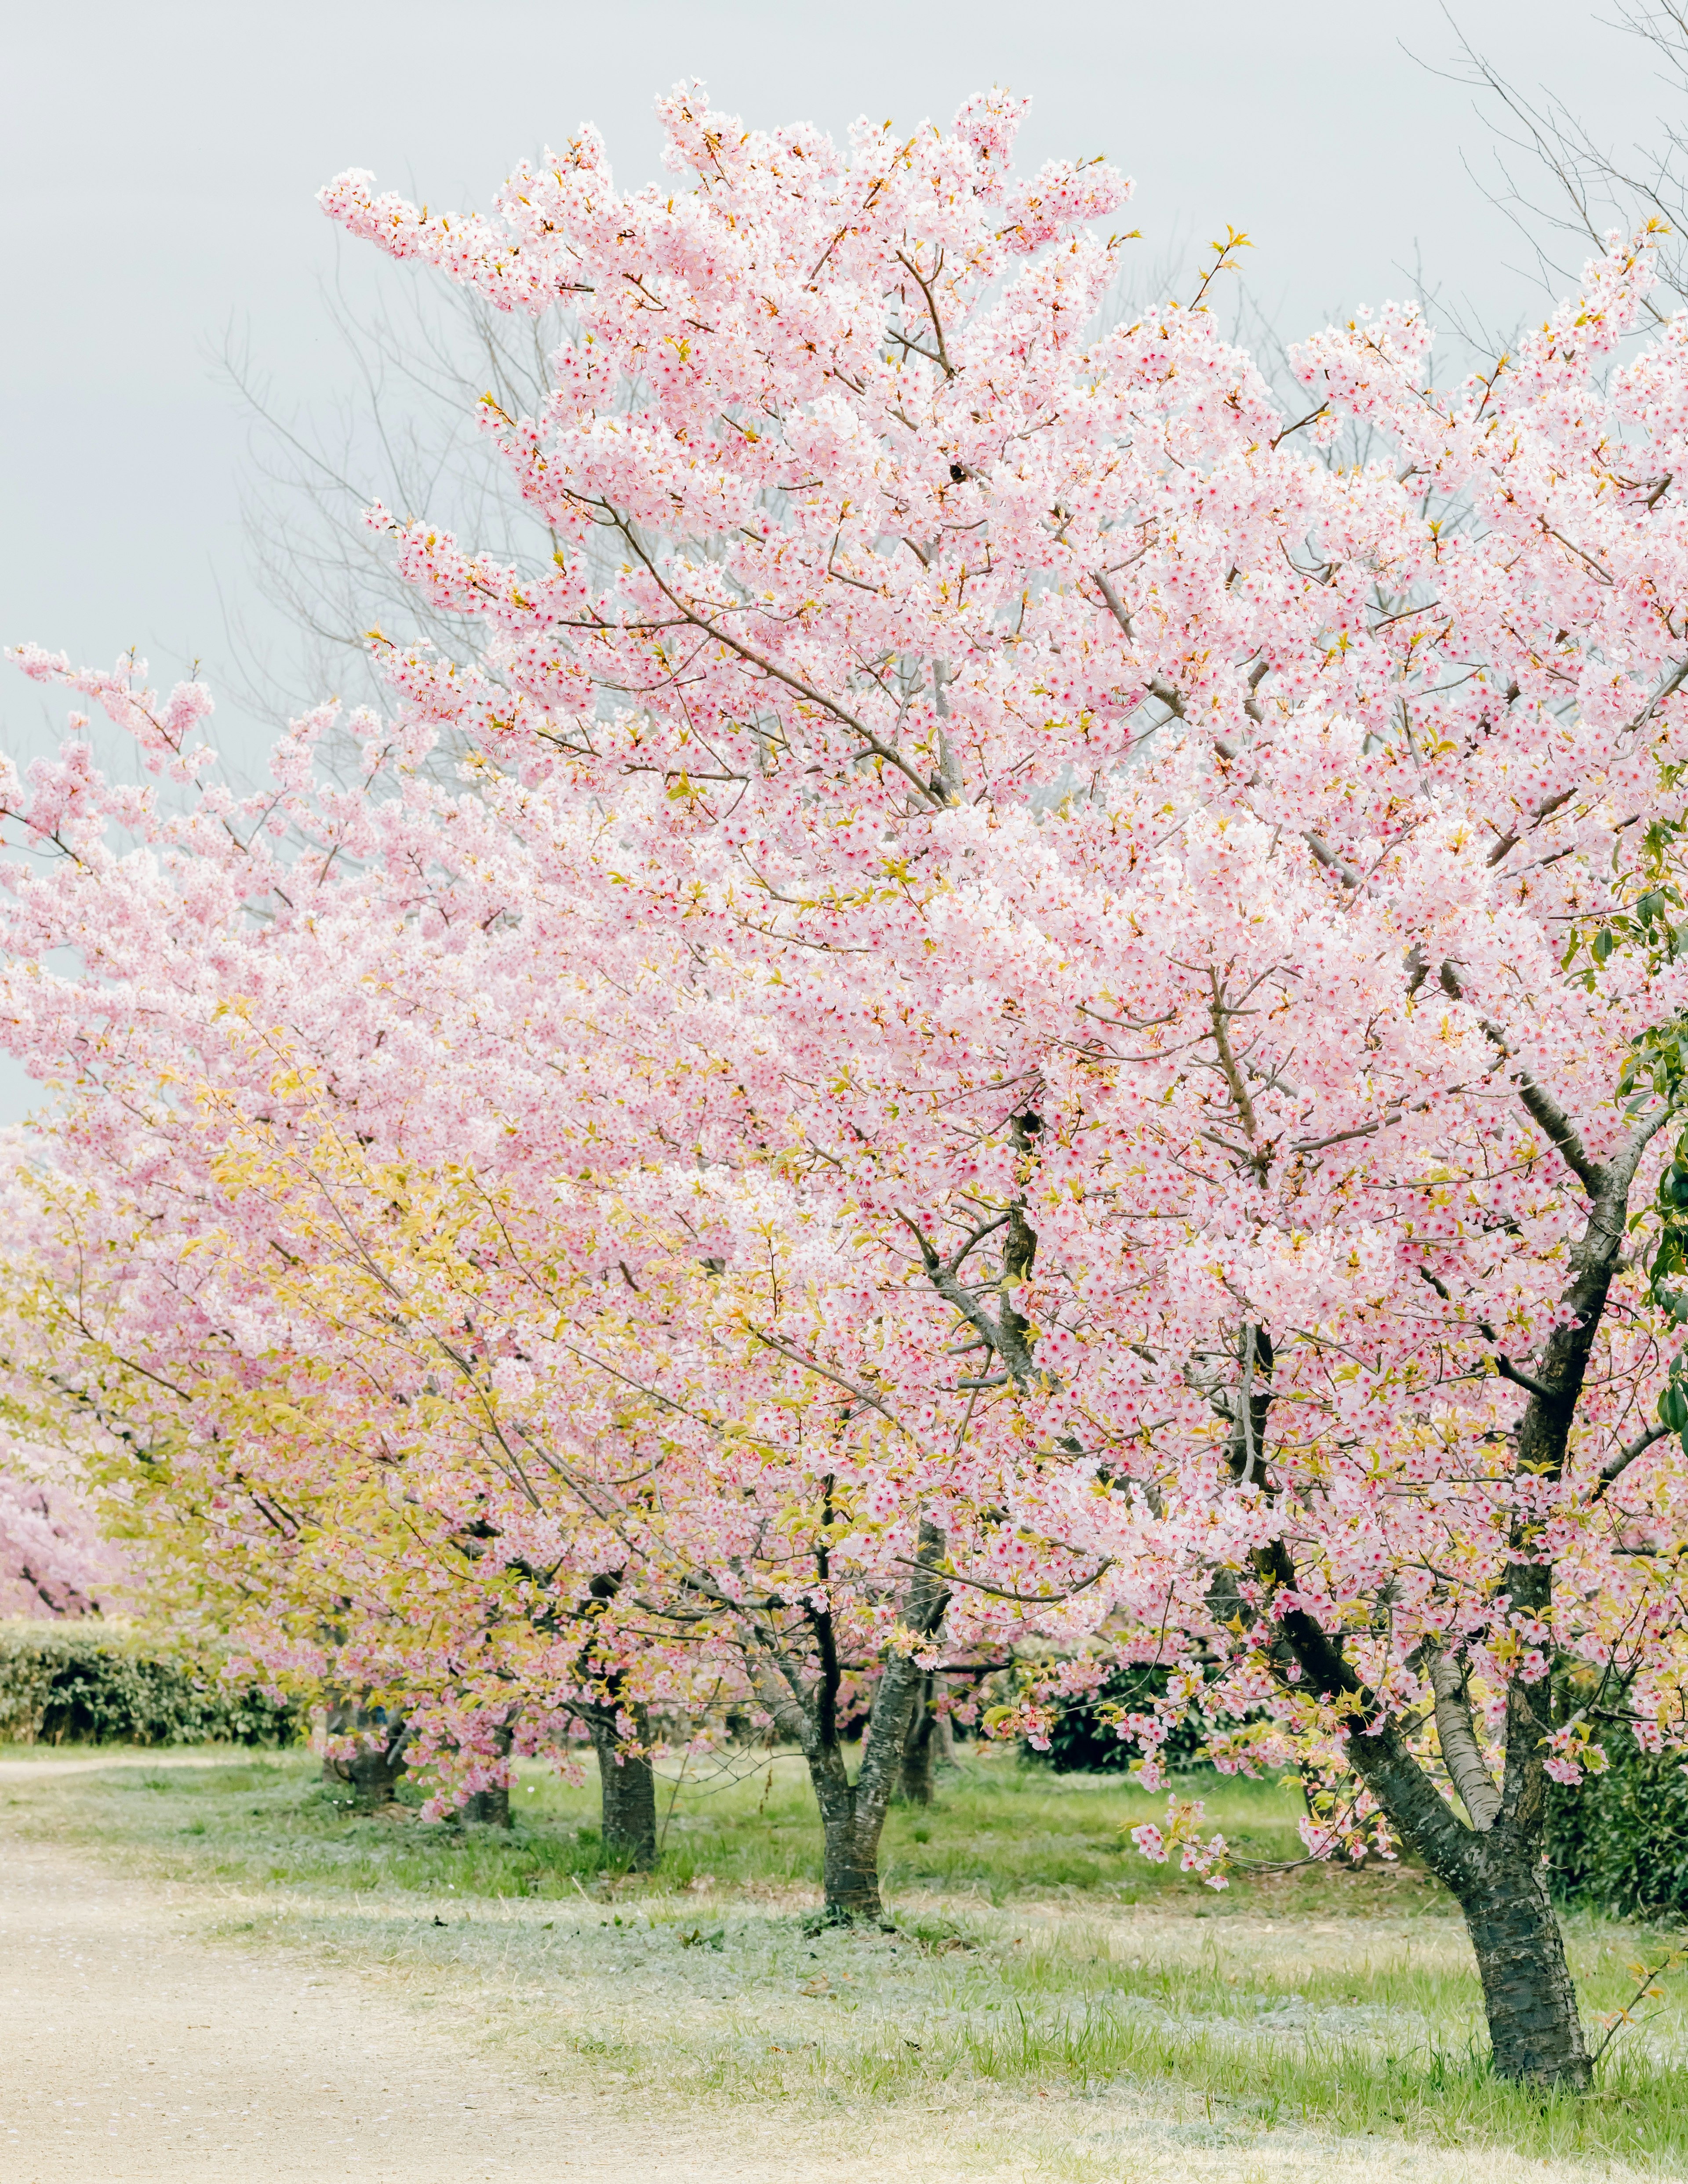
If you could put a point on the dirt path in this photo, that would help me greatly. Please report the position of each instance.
(31, 1771)
(130, 2052)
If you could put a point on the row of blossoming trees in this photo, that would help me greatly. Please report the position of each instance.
(1052, 1014)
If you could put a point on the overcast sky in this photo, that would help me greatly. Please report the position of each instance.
(160, 162)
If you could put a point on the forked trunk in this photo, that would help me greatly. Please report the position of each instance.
(1535, 2031)
(850, 1857)
(1495, 1875)
(1493, 1866)
(852, 1813)
(628, 1785)
(375, 1769)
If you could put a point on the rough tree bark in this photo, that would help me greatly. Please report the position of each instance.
(628, 1789)
(853, 1812)
(914, 1776)
(626, 1781)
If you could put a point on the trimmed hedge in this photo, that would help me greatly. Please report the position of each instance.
(1619, 1842)
(77, 1683)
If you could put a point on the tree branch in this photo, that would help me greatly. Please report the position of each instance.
(1460, 1749)
(1541, 1106)
(880, 751)
(1507, 1371)
(1619, 1461)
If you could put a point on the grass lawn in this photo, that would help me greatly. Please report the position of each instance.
(1037, 1959)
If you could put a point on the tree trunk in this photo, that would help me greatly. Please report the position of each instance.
(1494, 1873)
(627, 1784)
(374, 1771)
(852, 1813)
(1535, 2031)
(913, 1778)
(850, 1855)
(490, 1807)
(1493, 1867)
(943, 1728)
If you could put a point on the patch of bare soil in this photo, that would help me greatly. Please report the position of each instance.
(131, 2051)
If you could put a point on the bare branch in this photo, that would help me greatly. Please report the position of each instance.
(1507, 1371)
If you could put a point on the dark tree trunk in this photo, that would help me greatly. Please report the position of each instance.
(628, 1785)
(490, 1807)
(1536, 2034)
(626, 1781)
(1535, 2031)
(1493, 1867)
(943, 1728)
(852, 1813)
(1493, 1871)
(850, 1856)
(374, 1771)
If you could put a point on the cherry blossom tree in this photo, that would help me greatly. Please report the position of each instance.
(1154, 954)
(53, 1560)
(135, 1315)
(439, 1389)
(1186, 875)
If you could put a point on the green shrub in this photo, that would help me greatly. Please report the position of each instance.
(1619, 1842)
(93, 1684)
(1082, 1742)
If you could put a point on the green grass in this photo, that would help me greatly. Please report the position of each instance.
(1037, 1957)
(1000, 1833)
